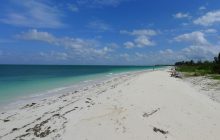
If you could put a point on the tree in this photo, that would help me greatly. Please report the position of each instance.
(217, 59)
(211, 67)
(191, 62)
(216, 67)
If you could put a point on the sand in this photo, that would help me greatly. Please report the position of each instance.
(206, 85)
(138, 106)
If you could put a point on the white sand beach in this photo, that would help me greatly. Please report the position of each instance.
(139, 106)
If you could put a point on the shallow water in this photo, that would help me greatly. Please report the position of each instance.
(17, 81)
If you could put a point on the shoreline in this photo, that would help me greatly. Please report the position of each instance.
(49, 107)
(27, 81)
(144, 105)
(53, 93)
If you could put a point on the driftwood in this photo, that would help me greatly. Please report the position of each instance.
(175, 74)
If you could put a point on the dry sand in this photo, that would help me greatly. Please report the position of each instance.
(138, 106)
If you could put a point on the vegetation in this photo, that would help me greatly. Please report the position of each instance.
(200, 68)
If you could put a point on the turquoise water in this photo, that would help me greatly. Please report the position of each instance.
(26, 80)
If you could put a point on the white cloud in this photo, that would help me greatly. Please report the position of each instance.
(200, 52)
(90, 51)
(142, 41)
(36, 35)
(169, 56)
(99, 25)
(195, 52)
(30, 13)
(167, 51)
(208, 19)
(139, 55)
(129, 44)
(140, 32)
(54, 55)
(181, 15)
(101, 52)
(79, 47)
(74, 43)
(142, 38)
(211, 31)
(196, 37)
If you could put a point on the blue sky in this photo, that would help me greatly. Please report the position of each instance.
(108, 32)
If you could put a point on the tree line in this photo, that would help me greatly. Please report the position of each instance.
(213, 66)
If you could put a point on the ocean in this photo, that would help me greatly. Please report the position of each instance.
(21, 81)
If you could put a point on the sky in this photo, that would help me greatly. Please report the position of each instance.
(108, 32)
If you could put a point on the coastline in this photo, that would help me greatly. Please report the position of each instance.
(26, 82)
(144, 105)
(40, 107)
(25, 99)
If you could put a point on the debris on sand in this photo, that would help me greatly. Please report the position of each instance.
(160, 130)
(150, 113)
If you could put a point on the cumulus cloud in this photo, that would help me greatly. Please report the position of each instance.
(78, 46)
(199, 52)
(211, 30)
(166, 56)
(194, 52)
(167, 51)
(89, 51)
(181, 15)
(142, 41)
(199, 48)
(142, 38)
(34, 34)
(208, 19)
(74, 43)
(31, 13)
(129, 44)
(196, 37)
(54, 55)
(169, 56)
(140, 32)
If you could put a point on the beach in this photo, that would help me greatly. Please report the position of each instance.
(145, 105)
